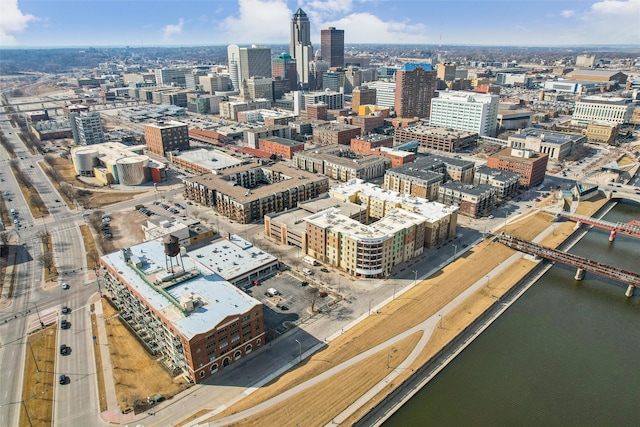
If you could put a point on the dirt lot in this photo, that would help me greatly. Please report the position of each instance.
(126, 227)
(131, 362)
(413, 307)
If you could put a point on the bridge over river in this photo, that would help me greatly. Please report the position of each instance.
(581, 264)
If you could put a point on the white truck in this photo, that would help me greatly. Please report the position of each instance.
(310, 260)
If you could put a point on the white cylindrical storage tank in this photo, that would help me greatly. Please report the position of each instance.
(132, 170)
(85, 159)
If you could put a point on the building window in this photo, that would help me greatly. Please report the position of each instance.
(226, 361)
(237, 355)
(214, 367)
(201, 374)
(248, 349)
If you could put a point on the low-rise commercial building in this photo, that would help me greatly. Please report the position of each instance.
(181, 309)
(335, 133)
(436, 138)
(604, 133)
(246, 193)
(253, 136)
(203, 160)
(188, 231)
(281, 147)
(367, 143)
(558, 145)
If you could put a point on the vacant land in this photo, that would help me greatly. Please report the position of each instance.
(131, 362)
(39, 374)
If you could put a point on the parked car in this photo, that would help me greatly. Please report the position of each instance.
(65, 310)
(282, 307)
(304, 283)
(324, 270)
(65, 286)
(271, 292)
(64, 324)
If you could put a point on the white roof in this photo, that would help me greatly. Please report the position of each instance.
(232, 258)
(220, 298)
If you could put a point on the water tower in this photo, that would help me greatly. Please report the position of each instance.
(172, 254)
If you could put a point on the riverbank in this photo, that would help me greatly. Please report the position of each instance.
(394, 400)
(423, 302)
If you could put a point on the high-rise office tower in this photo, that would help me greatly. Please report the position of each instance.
(300, 31)
(300, 47)
(245, 62)
(415, 87)
(284, 68)
(332, 46)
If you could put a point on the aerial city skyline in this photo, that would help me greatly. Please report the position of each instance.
(135, 23)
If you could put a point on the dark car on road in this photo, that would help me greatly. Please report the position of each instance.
(64, 324)
(63, 379)
(65, 310)
(64, 350)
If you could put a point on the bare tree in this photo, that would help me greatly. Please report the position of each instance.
(313, 295)
(4, 238)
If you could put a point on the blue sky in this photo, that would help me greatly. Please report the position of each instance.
(26, 23)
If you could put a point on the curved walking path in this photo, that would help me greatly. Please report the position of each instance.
(426, 327)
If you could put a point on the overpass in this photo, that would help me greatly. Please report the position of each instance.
(581, 264)
(631, 228)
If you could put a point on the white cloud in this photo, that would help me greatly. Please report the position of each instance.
(611, 21)
(329, 7)
(168, 31)
(258, 21)
(12, 21)
(567, 13)
(368, 28)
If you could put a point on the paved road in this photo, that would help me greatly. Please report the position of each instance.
(75, 402)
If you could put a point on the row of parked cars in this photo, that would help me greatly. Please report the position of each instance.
(64, 349)
(169, 208)
(142, 209)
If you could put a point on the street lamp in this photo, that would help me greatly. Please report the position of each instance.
(440, 323)
(38, 313)
(415, 277)
(34, 356)
(455, 250)
(299, 350)
(487, 276)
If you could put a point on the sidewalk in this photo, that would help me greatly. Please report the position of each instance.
(113, 414)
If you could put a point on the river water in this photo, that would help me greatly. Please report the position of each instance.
(565, 354)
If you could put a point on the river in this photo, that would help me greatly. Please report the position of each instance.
(566, 353)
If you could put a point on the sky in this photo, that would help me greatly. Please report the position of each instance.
(58, 23)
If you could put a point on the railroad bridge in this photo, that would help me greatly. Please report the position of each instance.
(631, 228)
(581, 264)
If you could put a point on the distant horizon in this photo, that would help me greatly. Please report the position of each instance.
(173, 23)
(176, 46)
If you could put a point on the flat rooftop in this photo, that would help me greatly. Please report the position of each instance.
(292, 178)
(548, 136)
(219, 298)
(433, 211)
(232, 258)
(438, 131)
(210, 159)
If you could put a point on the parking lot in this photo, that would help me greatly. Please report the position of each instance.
(290, 294)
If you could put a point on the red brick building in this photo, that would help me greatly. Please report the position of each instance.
(281, 147)
(531, 166)
(365, 144)
(163, 137)
(335, 133)
(415, 87)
